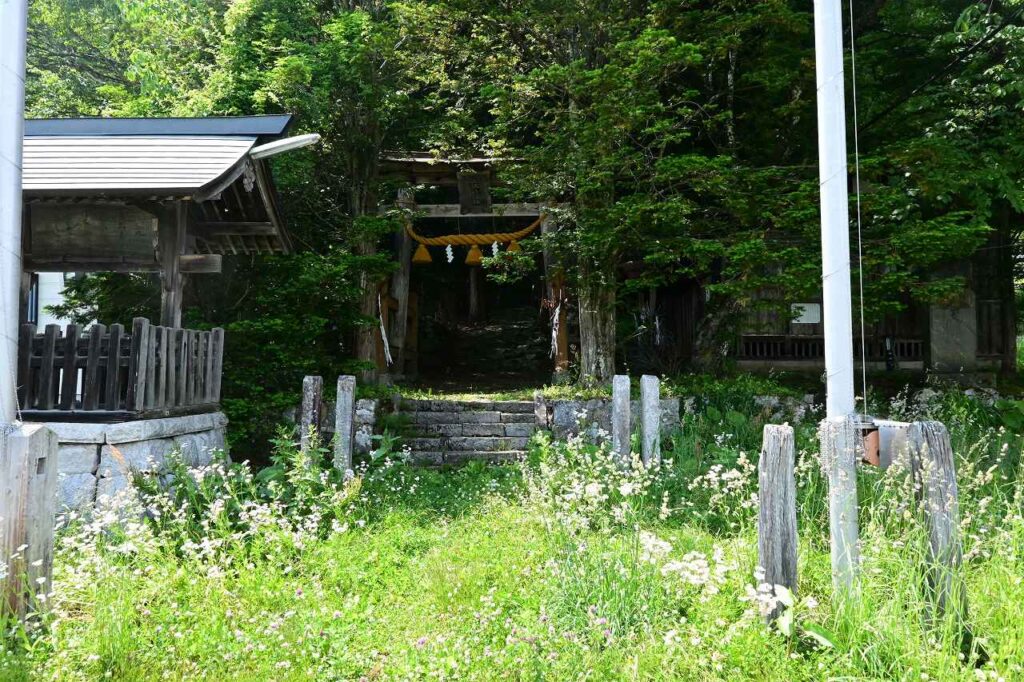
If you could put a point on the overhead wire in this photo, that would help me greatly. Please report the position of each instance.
(860, 238)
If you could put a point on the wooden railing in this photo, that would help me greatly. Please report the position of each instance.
(778, 347)
(106, 373)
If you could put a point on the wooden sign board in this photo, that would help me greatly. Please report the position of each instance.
(83, 238)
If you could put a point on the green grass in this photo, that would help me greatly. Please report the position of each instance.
(564, 568)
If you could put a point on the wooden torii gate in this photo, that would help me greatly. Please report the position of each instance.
(470, 181)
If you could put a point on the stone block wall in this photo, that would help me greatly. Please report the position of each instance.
(96, 459)
(367, 414)
(566, 417)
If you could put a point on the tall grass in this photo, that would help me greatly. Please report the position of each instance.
(565, 567)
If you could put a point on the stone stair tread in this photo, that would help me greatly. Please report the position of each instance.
(468, 443)
(429, 419)
(491, 429)
(410, 405)
(438, 458)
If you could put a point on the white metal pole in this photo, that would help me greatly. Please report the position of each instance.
(835, 221)
(13, 26)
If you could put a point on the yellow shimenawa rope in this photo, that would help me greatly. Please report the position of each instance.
(475, 239)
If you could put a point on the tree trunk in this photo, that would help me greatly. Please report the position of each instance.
(366, 334)
(362, 201)
(597, 328)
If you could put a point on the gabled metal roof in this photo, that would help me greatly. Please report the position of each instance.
(256, 126)
(117, 165)
(150, 161)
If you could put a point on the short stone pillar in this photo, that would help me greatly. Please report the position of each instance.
(345, 424)
(312, 400)
(620, 419)
(650, 420)
(28, 506)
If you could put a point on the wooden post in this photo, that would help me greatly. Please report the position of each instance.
(26, 378)
(309, 419)
(112, 384)
(620, 420)
(138, 365)
(475, 305)
(400, 281)
(69, 373)
(776, 521)
(839, 460)
(345, 424)
(47, 370)
(91, 378)
(217, 342)
(171, 228)
(941, 508)
(28, 504)
(650, 419)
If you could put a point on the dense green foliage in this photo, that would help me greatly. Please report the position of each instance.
(565, 567)
(678, 137)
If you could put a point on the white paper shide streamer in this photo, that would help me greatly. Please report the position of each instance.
(383, 333)
(554, 329)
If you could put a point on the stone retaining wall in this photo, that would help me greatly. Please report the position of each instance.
(567, 417)
(367, 412)
(96, 459)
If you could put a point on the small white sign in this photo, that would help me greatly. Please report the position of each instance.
(806, 313)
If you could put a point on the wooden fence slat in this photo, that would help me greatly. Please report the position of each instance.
(187, 367)
(112, 388)
(193, 357)
(26, 396)
(113, 370)
(172, 367)
(149, 399)
(69, 372)
(197, 368)
(218, 361)
(208, 383)
(201, 367)
(92, 381)
(138, 360)
(776, 520)
(47, 368)
(181, 351)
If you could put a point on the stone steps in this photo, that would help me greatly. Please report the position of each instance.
(467, 443)
(457, 431)
(439, 458)
(408, 405)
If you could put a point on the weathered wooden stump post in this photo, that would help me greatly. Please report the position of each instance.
(28, 505)
(620, 420)
(839, 460)
(309, 418)
(344, 424)
(650, 420)
(935, 473)
(776, 521)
